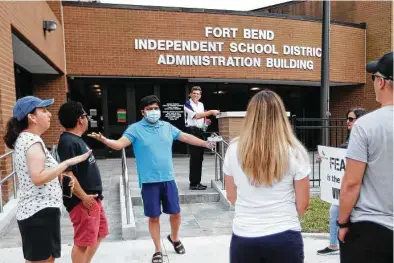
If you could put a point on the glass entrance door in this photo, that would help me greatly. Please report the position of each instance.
(172, 98)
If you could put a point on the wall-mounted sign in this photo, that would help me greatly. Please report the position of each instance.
(121, 114)
(256, 42)
(93, 112)
(172, 111)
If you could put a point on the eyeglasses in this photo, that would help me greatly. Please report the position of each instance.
(373, 76)
(351, 119)
(85, 115)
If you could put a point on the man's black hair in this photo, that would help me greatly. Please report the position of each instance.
(149, 100)
(69, 113)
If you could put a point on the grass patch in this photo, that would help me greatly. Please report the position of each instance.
(317, 218)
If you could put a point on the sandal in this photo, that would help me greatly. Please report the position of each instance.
(178, 246)
(157, 257)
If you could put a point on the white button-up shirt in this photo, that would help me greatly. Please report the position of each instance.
(191, 109)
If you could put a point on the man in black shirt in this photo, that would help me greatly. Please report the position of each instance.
(85, 207)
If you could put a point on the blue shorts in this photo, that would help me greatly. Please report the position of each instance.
(156, 194)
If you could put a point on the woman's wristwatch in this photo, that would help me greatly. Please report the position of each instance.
(343, 225)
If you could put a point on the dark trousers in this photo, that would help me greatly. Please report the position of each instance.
(284, 247)
(367, 242)
(196, 158)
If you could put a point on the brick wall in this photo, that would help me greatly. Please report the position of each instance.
(51, 86)
(230, 127)
(56, 7)
(26, 19)
(111, 44)
(378, 16)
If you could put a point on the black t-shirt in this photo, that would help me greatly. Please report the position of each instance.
(86, 172)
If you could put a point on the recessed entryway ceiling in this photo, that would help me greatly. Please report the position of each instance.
(25, 57)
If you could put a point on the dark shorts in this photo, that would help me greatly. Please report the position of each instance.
(41, 235)
(367, 242)
(284, 247)
(155, 195)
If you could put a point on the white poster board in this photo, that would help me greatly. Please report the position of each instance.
(332, 169)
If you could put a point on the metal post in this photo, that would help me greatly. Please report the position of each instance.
(221, 170)
(325, 73)
(14, 180)
(1, 199)
(216, 165)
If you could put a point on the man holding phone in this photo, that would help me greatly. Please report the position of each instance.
(84, 206)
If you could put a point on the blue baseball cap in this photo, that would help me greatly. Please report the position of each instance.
(27, 104)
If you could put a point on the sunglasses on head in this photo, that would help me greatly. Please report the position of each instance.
(351, 119)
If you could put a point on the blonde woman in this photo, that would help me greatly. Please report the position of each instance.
(266, 172)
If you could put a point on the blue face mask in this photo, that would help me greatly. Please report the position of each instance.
(153, 115)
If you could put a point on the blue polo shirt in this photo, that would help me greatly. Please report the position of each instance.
(152, 144)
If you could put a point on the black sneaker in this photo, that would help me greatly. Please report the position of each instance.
(328, 251)
(197, 187)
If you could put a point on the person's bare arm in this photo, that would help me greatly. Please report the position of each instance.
(119, 144)
(302, 195)
(36, 164)
(206, 114)
(231, 189)
(350, 189)
(193, 140)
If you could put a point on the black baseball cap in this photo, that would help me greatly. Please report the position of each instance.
(149, 100)
(384, 66)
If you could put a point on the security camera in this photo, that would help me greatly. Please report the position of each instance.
(49, 25)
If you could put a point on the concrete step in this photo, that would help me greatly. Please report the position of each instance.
(198, 219)
(185, 197)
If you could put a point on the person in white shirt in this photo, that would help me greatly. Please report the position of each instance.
(266, 175)
(194, 121)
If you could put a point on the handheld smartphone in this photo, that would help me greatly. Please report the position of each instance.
(66, 186)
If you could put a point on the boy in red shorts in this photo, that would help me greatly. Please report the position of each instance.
(85, 206)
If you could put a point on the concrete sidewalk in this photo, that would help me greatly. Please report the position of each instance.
(198, 249)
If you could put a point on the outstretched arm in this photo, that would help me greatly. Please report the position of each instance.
(119, 144)
(193, 140)
(206, 114)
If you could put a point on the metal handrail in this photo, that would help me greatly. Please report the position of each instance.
(13, 175)
(226, 143)
(219, 157)
(126, 190)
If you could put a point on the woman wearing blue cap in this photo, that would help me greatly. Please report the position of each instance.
(40, 195)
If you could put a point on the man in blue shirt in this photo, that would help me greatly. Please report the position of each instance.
(152, 141)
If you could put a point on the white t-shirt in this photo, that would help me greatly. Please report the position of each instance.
(191, 109)
(262, 211)
(34, 198)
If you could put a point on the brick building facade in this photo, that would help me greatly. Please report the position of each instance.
(377, 15)
(92, 57)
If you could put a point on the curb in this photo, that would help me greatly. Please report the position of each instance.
(222, 194)
(8, 215)
(128, 230)
(316, 235)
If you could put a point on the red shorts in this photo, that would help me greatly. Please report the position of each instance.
(90, 225)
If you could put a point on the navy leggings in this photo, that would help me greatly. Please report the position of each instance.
(284, 247)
